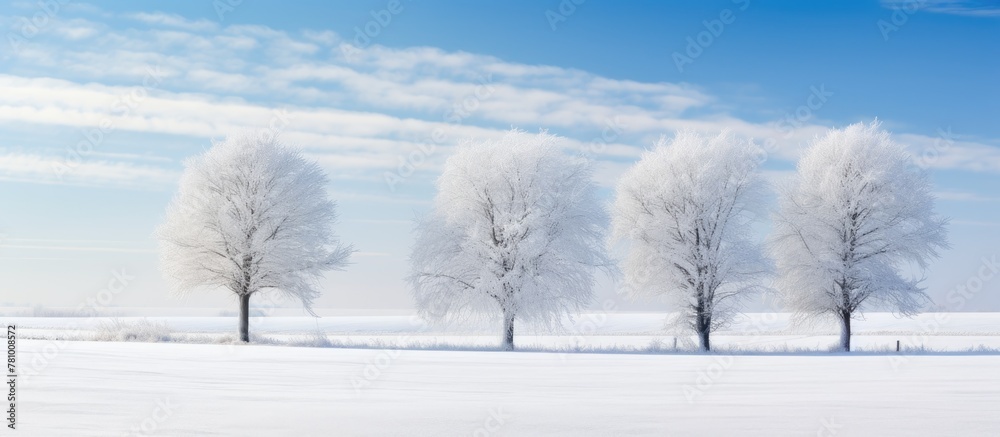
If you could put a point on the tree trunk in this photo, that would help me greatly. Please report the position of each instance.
(845, 331)
(508, 331)
(703, 340)
(245, 317)
(703, 325)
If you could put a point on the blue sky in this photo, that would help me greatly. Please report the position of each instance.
(162, 79)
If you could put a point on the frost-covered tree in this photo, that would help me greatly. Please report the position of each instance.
(516, 232)
(857, 212)
(686, 209)
(251, 215)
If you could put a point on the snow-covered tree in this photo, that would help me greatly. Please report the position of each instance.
(686, 209)
(516, 232)
(251, 215)
(858, 212)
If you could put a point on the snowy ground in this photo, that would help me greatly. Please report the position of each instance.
(85, 388)
(957, 332)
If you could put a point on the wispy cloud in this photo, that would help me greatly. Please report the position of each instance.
(946, 153)
(970, 8)
(962, 196)
(360, 114)
(55, 245)
(25, 167)
(974, 223)
(172, 20)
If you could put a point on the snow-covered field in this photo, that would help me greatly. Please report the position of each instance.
(956, 332)
(776, 381)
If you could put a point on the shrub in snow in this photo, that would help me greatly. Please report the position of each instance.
(686, 209)
(317, 339)
(857, 212)
(516, 232)
(39, 310)
(251, 215)
(140, 330)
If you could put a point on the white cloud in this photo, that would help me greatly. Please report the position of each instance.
(962, 196)
(20, 247)
(945, 152)
(77, 29)
(362, 114)
(173, 20)
(970, 8)
(83, 171)
(974, 223)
